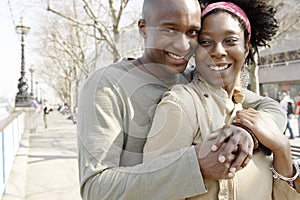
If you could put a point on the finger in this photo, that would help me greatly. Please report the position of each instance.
(230, 173)
(242, 159)
(227, 175)
(223, 136)
(214, 134)
(243, 115)
(245, 163)
(229, 148)
(230, 159)
(247, 113)
(250, 110)
(245, 121)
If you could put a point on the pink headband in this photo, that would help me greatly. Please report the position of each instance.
(231, 8)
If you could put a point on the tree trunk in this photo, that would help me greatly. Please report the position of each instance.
(253, 73)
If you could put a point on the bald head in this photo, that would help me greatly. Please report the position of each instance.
(150, 7)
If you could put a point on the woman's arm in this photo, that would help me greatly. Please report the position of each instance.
(175, 125)
(268, 133)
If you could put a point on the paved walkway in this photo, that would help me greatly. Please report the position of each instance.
(294, 125)
(46, 163)
(52, 172)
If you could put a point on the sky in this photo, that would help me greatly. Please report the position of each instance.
(10, 46)
(10, 53)
(10, 50)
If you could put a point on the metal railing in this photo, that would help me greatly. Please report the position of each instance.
(287, 63)
(12, 129)
(295, 151)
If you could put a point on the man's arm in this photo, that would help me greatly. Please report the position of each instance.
(266, 105)
(100, 147)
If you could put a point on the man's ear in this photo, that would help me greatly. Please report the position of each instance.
(142, 28)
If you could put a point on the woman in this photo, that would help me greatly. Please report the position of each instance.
(297, 113)
(188, 113)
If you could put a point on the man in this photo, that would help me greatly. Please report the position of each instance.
(285, 100)
(116, 107)
(35, 105)
(46, 111)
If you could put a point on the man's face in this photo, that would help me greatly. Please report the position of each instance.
(171, 33)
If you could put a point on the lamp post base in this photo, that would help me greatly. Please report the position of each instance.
(22, 101)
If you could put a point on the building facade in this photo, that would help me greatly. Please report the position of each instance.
(280, 72)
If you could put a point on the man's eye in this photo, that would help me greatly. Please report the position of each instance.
(193, 33)
(168, 31)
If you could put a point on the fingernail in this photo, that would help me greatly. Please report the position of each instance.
(232, 170)
(230, 175)
(222, 159)
(214, 148)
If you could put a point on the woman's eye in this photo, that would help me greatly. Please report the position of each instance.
(231, 41)
(204, 42)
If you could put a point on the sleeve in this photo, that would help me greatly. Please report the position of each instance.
(267, 105)
(297, 111)
(282, 191)
(100, 140)
(173, 127)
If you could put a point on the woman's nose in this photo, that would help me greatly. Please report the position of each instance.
(218, 50)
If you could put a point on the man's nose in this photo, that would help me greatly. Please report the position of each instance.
(182, 43)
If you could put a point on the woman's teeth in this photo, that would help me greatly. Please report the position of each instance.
(218, 68)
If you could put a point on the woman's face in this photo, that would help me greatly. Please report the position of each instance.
(222, 50)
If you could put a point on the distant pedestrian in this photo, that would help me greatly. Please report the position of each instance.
(35, 105)
(297, 113)
(46, 110)
(265, 94)
(284, 102)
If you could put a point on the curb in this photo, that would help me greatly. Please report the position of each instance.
(16, 185)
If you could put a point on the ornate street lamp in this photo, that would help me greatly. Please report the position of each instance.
(36, 91)
(31, 70)
(22, 97)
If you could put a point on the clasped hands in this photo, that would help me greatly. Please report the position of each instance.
(224, 152)
(230, 148)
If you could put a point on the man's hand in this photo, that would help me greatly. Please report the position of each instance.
(224, 152)
(210, 167)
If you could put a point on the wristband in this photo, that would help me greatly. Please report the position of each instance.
(289, 180)
(255, 140)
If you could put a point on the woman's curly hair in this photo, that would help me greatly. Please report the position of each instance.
(261, 14)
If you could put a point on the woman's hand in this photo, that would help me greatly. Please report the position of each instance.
(270, 136)
(263, 128)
